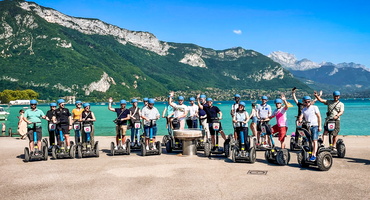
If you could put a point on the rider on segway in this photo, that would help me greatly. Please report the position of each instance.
(150, 114)
(281, 119)
(31, 116)
(50, 117)
(123, 115)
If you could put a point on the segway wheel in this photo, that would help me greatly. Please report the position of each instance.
(227, 148)
(207, 149)
(324, 161)
(45, 152)
(112, 149)
(72, 151)
(283, 157)
(341, 148)
(45, 142)
(26, 154)
(53, 152)
(252, 155)
(292, 141)
(128, 147)
(300, 159)
(96, 149)
(79, 151)
(169, 146)
(233, 155)
(143, 150)
(159, 147)
(268, 155)
(164, 140)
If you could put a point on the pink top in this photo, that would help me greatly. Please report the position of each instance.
(280, 115)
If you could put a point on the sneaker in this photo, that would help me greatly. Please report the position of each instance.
(124, 147)
(313, 158)
(132, 144)
(154, 148)
(116, 148)
(147, 148)
(213, 149)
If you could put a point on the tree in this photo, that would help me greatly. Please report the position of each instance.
(10, 95)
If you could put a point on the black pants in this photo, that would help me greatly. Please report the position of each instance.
(52, 138)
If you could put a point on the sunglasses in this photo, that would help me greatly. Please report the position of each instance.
(33, 104)
(307, 101)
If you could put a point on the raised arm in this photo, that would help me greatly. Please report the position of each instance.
(318, 97)
(199, 104)
(294, 97)
(110, 100)
(285, 101)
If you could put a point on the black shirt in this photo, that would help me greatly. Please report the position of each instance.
(50, 114)
(62, 115)
(211, 112)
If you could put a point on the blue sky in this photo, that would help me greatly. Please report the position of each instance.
(335, 31)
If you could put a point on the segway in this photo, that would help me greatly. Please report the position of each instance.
(340, 150)
(273, 154)
(77, 129)
(137, 143)
(215, 125)
(172, 143)
(154, 148)
(51, 127)
(296, 140)
(121, 150)
(39, 153)
(243, 148)
(60, 151)
(324, 159)
(91, 150)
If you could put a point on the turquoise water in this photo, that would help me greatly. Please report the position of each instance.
(353, 122)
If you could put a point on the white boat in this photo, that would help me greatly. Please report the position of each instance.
(3, 114)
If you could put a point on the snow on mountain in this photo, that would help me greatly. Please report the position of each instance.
(289, 61)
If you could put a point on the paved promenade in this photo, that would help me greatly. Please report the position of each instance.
(172, 176)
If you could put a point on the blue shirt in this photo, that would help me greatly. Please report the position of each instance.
(34, 116)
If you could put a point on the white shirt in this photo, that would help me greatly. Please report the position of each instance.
(263, 110)
(309, 114)
(179, 110)
(192, 110)
(150, 114)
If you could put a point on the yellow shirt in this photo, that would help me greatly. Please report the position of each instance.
(76, 114)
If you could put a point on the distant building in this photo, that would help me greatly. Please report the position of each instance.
(20, 102)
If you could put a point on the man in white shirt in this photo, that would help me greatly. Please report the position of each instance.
(180, 110)
(312, 115)
(192, 120)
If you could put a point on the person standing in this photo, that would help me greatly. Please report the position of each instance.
(135, 115)
(180, 110)
(192, 121)
(22, 125)
(234, 107)
(50, 117)
(264, 111)
(33, 118)
(254, 117)
(64, 121)
(312, 115)
(335, 110)
(87, 116)
(281, 126)
(150, 115)
(123, 115)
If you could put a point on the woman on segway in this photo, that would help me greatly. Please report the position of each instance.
(240, 120)
(87, 116)
(281, 119)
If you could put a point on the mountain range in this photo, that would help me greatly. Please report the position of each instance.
(59, 55)
(347, 77)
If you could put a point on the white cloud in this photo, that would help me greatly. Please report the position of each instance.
(239, 32)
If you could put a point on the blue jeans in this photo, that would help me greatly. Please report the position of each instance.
(315, 132)
(134, 132)
(147, 131)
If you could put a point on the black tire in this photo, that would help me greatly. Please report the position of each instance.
(233, 155)
(300, 159)
(45, 142)
(341, 148)
(324, 161)
(26, 154)
(207, 149)
(159, 147)
(283, 157)
(72, 151)
(169, 146)
(54, 152)
(252, 155)
(227, 148)
(45, 152)
(112, 150)
(128, 147)
(292, 141)
(267, 156)
(79, 151)
(96, 149)
(143, 150)
(164, 140)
